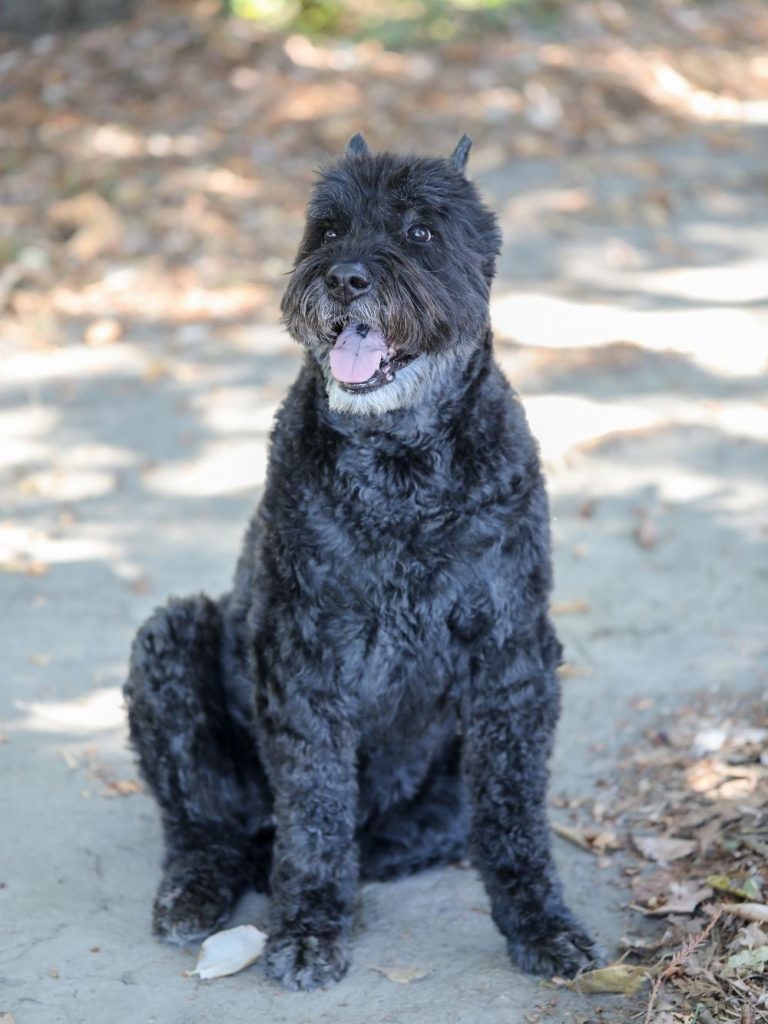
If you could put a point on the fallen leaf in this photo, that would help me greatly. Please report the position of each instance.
(140, 585)
(683, 898)
(570, 671)
(156, 368)
(619, 978)
(663, 849)
(229, 951)
(646, 533)
(748, 891)
(99, 228)
(591, 839)
(640, 943)
(642, 703)
(576, 607)
(123, 787)
(707, 835)
(751, 935)
(749, 961)
(31, 567)
(573, 835)
(401, 975)
(747, 911)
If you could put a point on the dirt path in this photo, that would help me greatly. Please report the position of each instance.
(631, 314)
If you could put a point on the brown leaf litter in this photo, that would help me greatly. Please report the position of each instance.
(696, 828)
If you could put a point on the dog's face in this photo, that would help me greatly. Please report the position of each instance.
(391, 282)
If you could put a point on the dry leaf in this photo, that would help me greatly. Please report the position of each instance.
(123, 787)
(155, 369)
(573, 835)
(401, 975)
(646, 533)
(749, 961)
(748, 891)
(99, 226)
(683, 898)
(747, 911)
(570, 671)
(707, 835)
(591, 839)
(619, 978)
(576, 607)
(229, 951)
(751, 935)
(32, 567)
(140, 585)
(663, 849)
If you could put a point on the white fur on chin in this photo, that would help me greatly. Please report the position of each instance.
(411, 384)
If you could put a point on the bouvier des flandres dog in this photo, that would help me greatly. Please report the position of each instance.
(377, 694)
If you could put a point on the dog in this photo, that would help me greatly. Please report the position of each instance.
(377, 694)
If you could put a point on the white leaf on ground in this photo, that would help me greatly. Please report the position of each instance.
(401, 975)
(229, 951)
(662, 849)
(747, 911)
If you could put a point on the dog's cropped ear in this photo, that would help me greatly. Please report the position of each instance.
(357, 146)
(460, 155)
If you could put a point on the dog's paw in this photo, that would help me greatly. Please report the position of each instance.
(189, 906)
(564, 949)
(305, 961)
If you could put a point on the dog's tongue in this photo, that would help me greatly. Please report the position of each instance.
(357, 354)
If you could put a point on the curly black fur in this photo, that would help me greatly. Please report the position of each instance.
(377, 694)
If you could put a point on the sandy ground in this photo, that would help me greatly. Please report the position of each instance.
(639, 344)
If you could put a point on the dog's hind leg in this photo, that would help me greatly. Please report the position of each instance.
(202, 766)
(430, 829)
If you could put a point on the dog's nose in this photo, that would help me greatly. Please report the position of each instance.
(348, 281)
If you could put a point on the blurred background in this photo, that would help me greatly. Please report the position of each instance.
(155, 159)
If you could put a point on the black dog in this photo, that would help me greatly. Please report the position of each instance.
(377, 694)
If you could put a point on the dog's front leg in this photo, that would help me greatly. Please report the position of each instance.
(315, 861)
(509, 722)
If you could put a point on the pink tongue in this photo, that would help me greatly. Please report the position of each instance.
(357, 354)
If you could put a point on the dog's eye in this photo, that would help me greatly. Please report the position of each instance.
(418, 233)
(329, 234)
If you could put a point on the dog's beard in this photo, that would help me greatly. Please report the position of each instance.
(424, 322)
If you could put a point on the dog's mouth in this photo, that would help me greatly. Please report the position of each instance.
(363, 359)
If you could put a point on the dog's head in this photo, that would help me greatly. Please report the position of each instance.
(391, 282)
